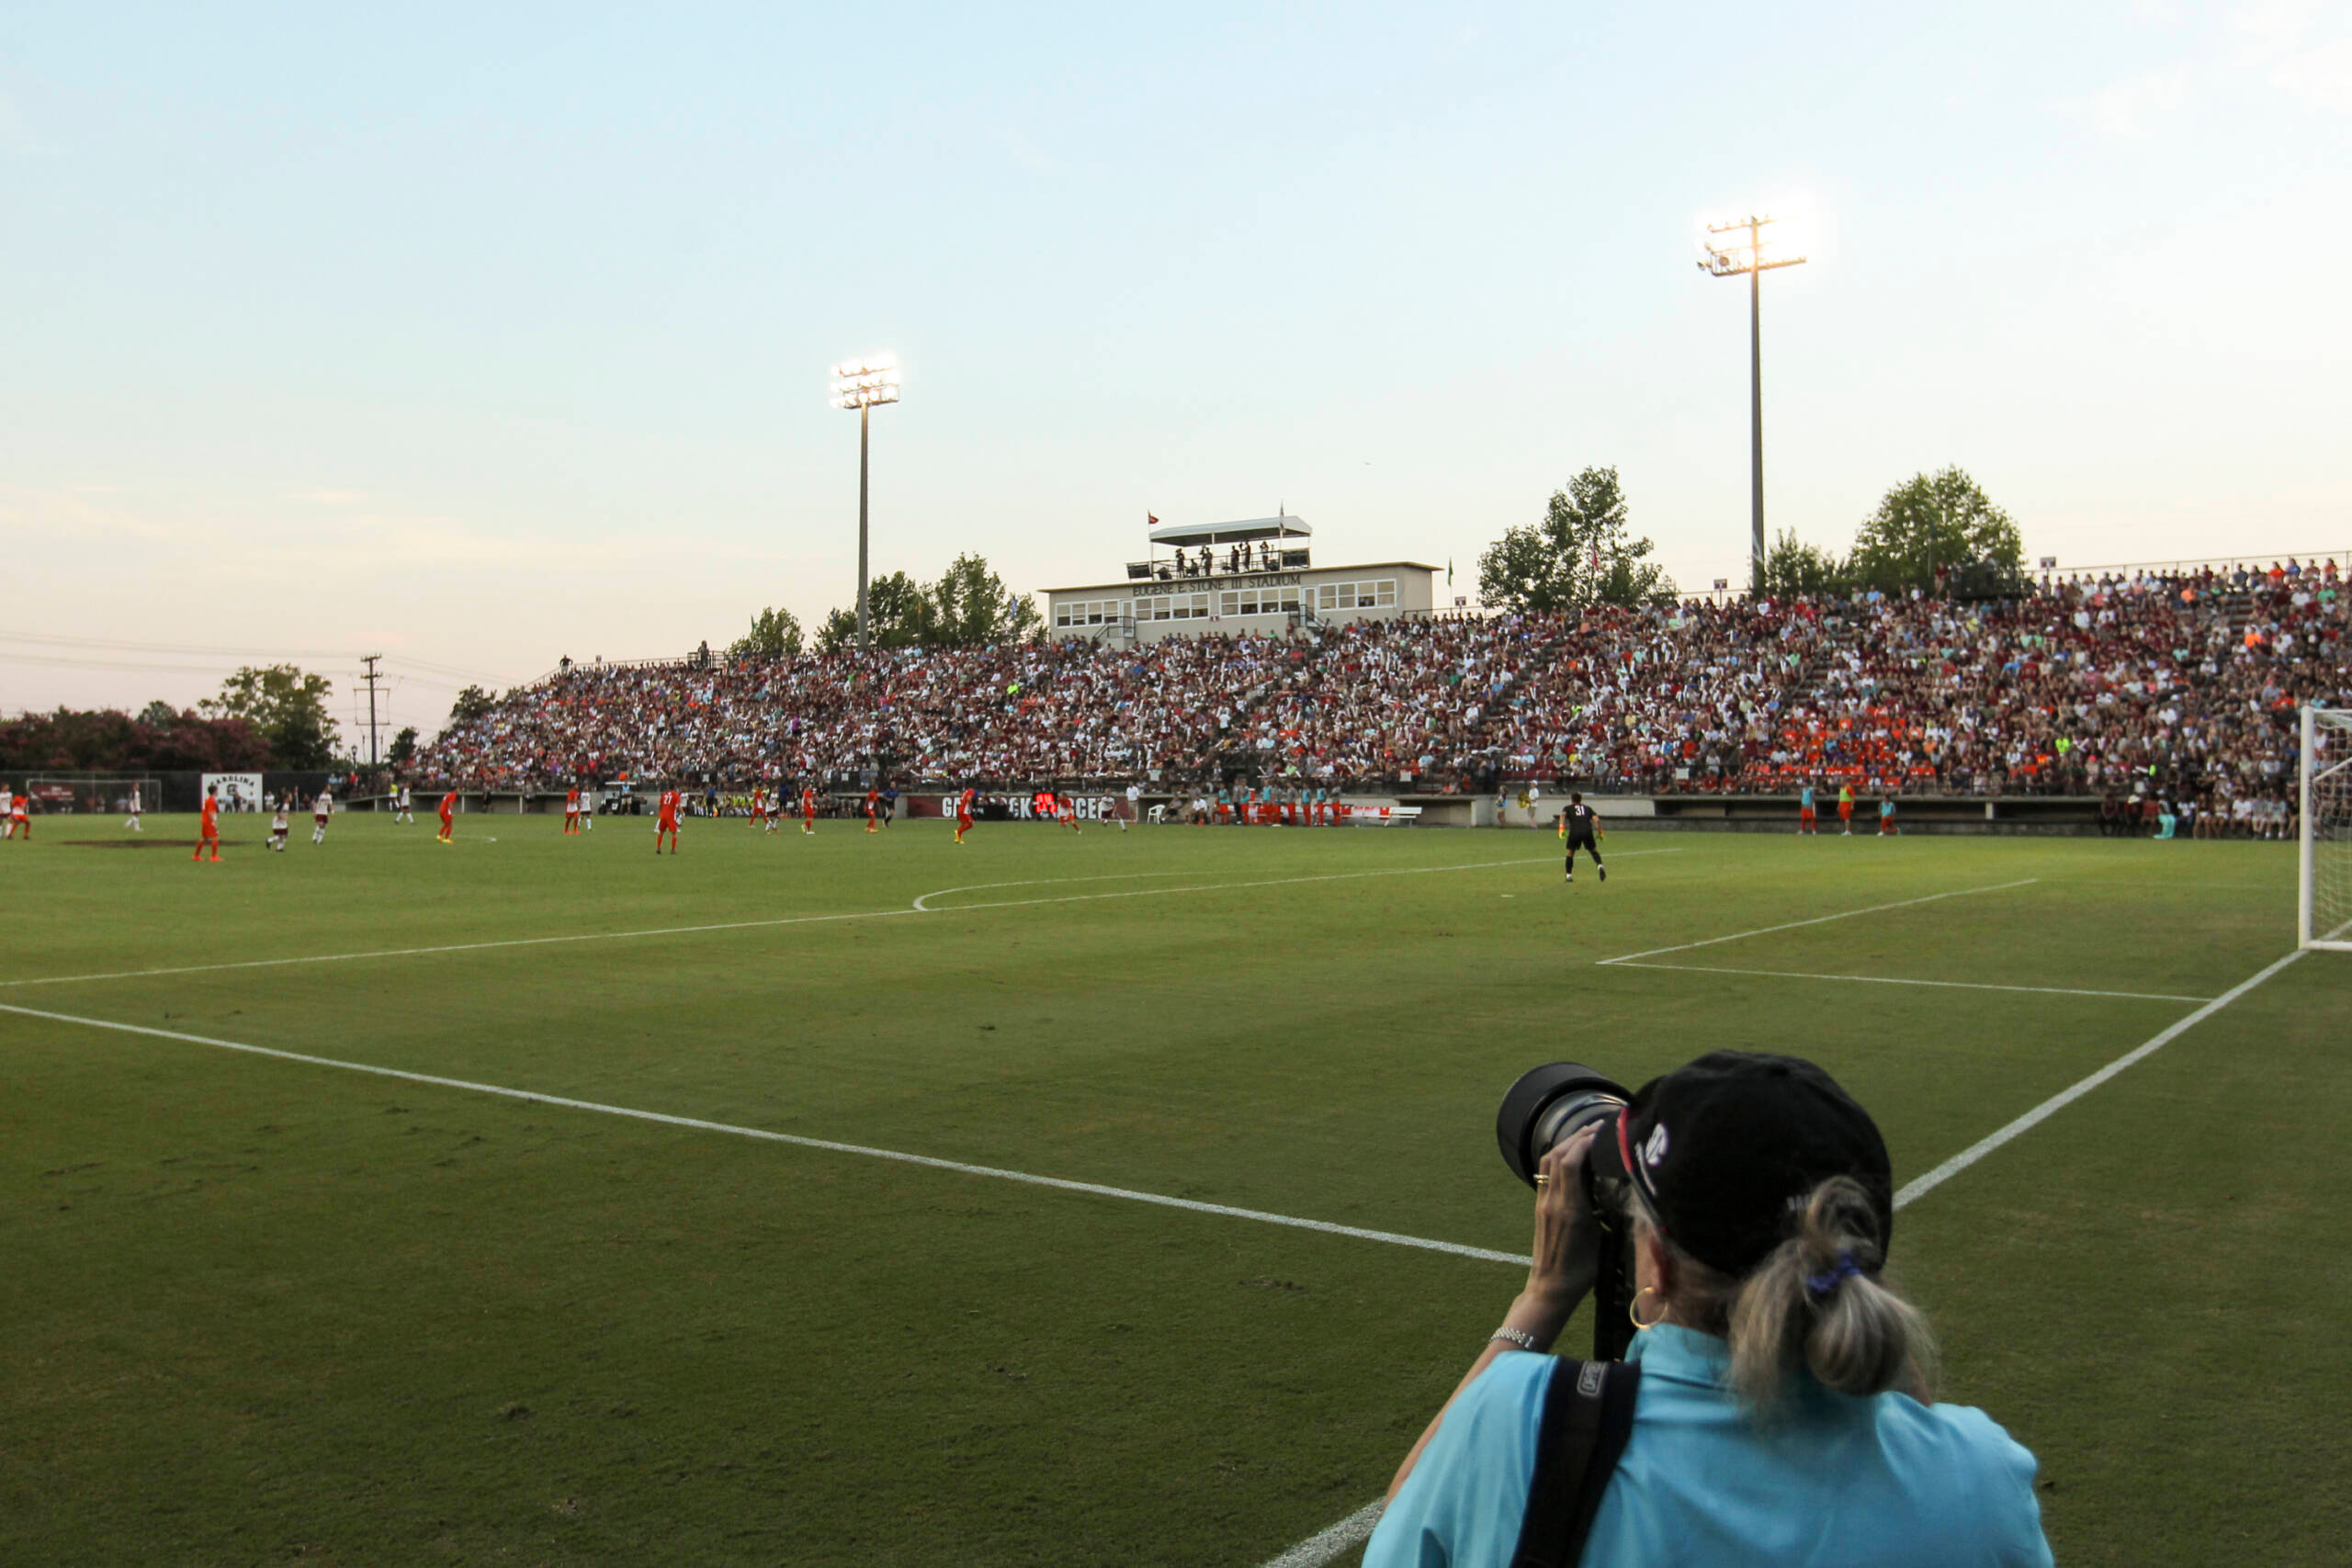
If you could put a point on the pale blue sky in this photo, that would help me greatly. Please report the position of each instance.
(484, 339)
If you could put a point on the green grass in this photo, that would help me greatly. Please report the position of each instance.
(261, 1311)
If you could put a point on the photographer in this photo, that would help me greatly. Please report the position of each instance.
(1780, 1415)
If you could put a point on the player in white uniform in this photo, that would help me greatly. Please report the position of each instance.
(403, 814)
(133, 823)
(319, 809)
(587, 808)
(1134, 805)
(277, 825)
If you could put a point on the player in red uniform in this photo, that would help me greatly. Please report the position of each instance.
(19, 818)
(1067, 809)
(208, 827)
(809, 810)
(962, 813)
(448, 819)
(571, 810)
(872, 805)
(667, 822)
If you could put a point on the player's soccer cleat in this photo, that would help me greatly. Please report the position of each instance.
(1570, 878)
(1604, 872)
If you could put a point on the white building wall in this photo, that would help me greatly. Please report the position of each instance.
(1261, 602)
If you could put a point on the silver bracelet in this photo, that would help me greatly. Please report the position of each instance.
(1514, 1336)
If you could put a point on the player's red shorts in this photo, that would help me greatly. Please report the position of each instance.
(1805, 813)
(1845, 810)
(667, 825)
(962, 821)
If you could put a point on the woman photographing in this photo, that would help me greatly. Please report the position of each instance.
(1782, 1412)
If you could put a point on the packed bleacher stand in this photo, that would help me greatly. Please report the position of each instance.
(2184, 684)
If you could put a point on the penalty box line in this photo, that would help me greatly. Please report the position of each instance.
(1897, 981)
(1327, 1544)
(829, 1145)
(918, 908)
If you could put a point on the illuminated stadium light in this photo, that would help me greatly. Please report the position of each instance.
(1738, 246)
(864, 384)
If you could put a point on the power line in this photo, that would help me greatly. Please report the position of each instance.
(51, 639)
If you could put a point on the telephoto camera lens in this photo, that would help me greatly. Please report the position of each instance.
(1549, 1105)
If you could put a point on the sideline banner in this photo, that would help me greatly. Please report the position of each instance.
(239, 791)
(1015, 807)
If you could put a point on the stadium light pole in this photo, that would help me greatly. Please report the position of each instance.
(862, 384)
(1730, 258)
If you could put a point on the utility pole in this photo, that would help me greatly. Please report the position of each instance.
(1729, 259)
(860, 384)
(369, 660)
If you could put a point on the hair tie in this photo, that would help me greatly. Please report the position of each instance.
(1821, 1287)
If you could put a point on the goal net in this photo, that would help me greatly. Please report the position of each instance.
(96, 794)
(2324, 917)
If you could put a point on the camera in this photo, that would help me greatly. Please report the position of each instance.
(1547, 1107)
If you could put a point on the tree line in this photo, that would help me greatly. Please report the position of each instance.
(968, 606)
(266, 717)
(1583, 551)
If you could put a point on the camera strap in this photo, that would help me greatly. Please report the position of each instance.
(1588, 1415)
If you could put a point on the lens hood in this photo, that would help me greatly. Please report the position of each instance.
(1519, 1124)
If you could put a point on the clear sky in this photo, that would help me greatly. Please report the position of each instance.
(479, 336)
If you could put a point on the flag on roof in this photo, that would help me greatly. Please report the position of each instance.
(1149, 520)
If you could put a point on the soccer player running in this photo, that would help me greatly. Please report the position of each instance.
(1806, 821)
(403, 814)
(133, 823)
(667, 821)
(20, 820)
(1581, 828)
(277, 825)
(320, 809)
(873, 806)
(962, 813)
(207, 825)
(448, 819)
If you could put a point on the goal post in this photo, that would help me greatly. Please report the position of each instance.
(96, 794)
(2323, 893)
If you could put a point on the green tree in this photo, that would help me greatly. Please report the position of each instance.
(1584, 552)
(159, 715)
(288, 708)
(472, 704)
(1793, 566)
(774, 632)
(898, 614)
(971, 607)
(1932, 522)
(403, 750)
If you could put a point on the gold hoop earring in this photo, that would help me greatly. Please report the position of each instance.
(1633, 1316)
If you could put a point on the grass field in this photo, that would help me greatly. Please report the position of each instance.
(261, 1310)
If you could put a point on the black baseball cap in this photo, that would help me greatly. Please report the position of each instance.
(1726, 1149)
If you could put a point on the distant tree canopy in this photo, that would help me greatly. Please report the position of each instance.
(970, 606)
(1929, 525)
(403, 750)
(1583, 552)
(472, 704)
(288, 706)
(773, 632)
(161, 739)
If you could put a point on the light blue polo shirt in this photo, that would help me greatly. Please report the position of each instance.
(1833, 1482)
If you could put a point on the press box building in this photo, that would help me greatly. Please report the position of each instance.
(1252, 575)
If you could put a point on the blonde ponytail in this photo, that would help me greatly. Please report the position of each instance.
(1818, 1302)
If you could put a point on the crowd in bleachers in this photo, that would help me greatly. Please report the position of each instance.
(2183, 685)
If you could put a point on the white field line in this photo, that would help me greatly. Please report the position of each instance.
(1820, 919)
(697, 1124)
(1920, 1186)
(1326, 1545)
(918, 908)
(1891, 980)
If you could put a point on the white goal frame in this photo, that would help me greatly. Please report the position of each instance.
(2327, 784)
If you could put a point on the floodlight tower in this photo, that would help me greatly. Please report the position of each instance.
(861, 383)
(1729, 258)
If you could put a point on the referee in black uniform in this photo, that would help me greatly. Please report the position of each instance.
(1581, 828)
